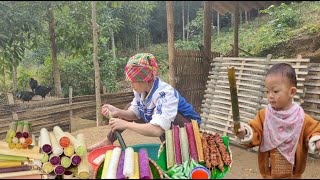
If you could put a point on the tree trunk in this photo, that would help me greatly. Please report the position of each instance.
(55, 63)
(96, 64)
(137, 41)
(183, 29)
(218, 22)
(236, 31)
(207, 27)
(188, 18)
(246, 16)
(171, 53)
(113, 45)
(14, 78)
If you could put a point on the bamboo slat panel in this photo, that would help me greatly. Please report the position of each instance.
(56, 112)
(250, 75)
(311, 101)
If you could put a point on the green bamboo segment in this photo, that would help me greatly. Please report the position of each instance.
(234, 98)
(12, 158)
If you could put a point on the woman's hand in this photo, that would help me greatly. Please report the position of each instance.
(241, 133)
(118, 124)
(108, 108)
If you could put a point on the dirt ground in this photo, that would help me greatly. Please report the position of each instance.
(245, 163)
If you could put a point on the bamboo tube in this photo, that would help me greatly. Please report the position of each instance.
(12, 158)
(169, 148)
(58, 169)
(65, 161)
(79, 148)
(63, 140)
(67, 174)
(36, 176)
(234, 99)
(7, 164)
(75, 159)
(197, 138)
(56, 148)
(21, 173)
(22, 152)
(22, 140)
(68, 151)
(12, 145)
(47, 167)
(54, 159)
(83, 168)
(18, 146)
(15, 169)
(33, 140)
(45, 141)
(15, 140)
(19, 129)
(11, 132)
(26, 129)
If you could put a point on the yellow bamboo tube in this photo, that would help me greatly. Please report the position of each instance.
(6, 164)
(22, 152)
(21, 173)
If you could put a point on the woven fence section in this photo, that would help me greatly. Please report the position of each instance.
(191, 75)
(48, 114)
(250, 75)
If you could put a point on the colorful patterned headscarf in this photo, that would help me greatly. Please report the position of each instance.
(142, 67)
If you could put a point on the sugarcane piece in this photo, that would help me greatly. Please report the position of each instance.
(45, 141)
(184, 144)
(11, 132)
(113, 164)
(62, 139)
(26, 130)
(176, 142)
(19, 129)
(12, 158)
(81, 149)
(144, 167)
(83, 168)
(192, 142)
(106, 163)
(128, 168)
(78, 147)
(75, 159)
(197, 137)
(21, 173)
(120, 167)
(47, 167)
(234, 99)
(7, 164)
(54, 159)
(56, 148)
(68, 151)
(136, 174)
(58, 170)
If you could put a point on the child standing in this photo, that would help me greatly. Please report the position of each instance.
(283, 131)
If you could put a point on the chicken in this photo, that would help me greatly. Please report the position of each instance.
(25, 95)
(33, 84)
(42, 91)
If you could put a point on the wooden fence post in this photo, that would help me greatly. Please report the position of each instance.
(104, 90)
(70, 111)
(11, 102)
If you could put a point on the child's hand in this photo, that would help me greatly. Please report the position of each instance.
(318, 145)
(241, 133)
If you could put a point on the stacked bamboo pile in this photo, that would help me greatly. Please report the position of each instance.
(67, 155)
(250, 75)
(19, 135)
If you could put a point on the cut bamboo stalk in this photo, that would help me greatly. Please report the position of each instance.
(83, 150)
(26, 130)
(12, 158)
(56, 148)
(83, 168)
(63, 140)
(22, 152)
(15, 169)
(21, 173)
(35, 149)
(8, 164)
(19, 129)
(78, 147)
(11, 132)
(234, 99)
(45, 141)
(36, 176)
